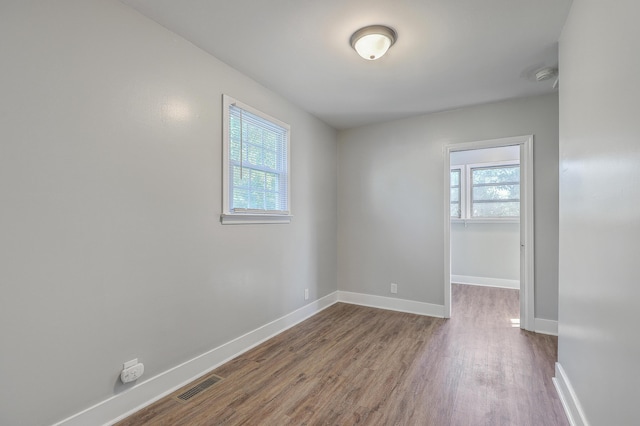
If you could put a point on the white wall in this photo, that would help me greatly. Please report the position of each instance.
(110, 189)
(390, 197)
(599, 297)
(485, 253)
(487, 155)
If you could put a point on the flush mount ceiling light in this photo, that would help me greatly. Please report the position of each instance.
(373, 41)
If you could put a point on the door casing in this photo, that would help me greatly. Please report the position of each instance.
(527, 259)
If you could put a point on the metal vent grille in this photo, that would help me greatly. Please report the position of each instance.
(190, 393)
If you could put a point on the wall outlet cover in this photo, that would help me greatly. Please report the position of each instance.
(132, 373)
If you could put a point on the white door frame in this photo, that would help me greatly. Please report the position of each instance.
(527, 305)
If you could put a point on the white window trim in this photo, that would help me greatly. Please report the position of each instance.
(249, 217)
(465, 199)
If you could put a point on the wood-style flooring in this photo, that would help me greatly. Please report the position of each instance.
(353, 365)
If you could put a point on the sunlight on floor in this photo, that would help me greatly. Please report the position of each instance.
(515, 322)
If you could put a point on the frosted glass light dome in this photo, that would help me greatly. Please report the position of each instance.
(373, 42)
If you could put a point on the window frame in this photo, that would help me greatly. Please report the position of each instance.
(466, 186)
(250, 216)
(485, 166)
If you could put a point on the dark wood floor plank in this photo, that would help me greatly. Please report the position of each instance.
(354, 365)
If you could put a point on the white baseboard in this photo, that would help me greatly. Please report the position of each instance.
(545, 326)
(142, 394)
(485, 282)
(391, 303)
(568, 397)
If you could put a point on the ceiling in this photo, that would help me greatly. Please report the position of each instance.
(449, 53)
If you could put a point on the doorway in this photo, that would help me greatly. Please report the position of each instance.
(526, 260)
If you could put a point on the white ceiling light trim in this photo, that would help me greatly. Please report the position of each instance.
(372, 42)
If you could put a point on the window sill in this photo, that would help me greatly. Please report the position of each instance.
(487, 220)
(248, 219)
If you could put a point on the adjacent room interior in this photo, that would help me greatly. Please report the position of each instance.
(485, 217)
(246, 207)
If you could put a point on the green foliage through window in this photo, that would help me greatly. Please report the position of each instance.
(456, 206)
(495, 191)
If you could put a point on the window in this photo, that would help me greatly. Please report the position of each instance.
(456, 203)
(485, 191)
(495, 191)
(255, 166)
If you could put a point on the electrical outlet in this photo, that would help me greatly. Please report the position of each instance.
(132, 370)
(306, 294)
(394, 288)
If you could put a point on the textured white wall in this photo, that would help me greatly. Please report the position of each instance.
(110, 189)
(486, 250)
(390, 197)
(599, 296)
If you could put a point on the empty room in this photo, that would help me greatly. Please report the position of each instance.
(319, 212)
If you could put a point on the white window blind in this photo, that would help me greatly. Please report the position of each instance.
(257, 162)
